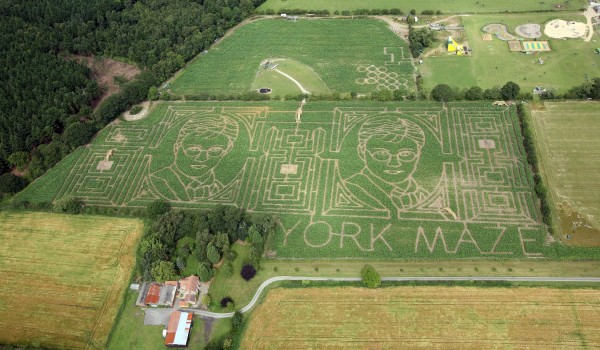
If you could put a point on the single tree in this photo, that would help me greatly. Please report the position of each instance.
(205, 271)
(212, 253)
(442, 93)
(474, 93)
(226, 301)
(510, 91)
(164, 271)
(226, 270)
(370, 277)
(248, 272)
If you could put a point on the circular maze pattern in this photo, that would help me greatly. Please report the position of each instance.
(380, 77)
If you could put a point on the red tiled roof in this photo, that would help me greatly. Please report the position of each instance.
(189, 284)
(173, 322)
(153, 294)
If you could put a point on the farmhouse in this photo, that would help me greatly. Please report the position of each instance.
(188, 291)
(155, 294)
(178, 330)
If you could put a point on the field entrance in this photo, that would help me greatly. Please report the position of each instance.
(570, 148)
(424, 317)
(367, 180)
(63, 277)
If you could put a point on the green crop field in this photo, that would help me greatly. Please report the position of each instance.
(569, 150)
(446, 6)
(63, 277)
(365, 179)
(492, 64)
(319, 54)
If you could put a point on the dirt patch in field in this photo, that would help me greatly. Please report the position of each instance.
(146, 106)
(104, 71)
(577, 229)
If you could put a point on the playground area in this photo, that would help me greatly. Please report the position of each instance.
(529, 30)
(499, 30)
(536, 46)
(560, 29)
(528, 46)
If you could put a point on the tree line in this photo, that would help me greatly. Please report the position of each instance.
(46, 99)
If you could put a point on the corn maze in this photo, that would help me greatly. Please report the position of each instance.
(370, 180)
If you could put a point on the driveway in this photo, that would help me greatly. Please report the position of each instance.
(157, 316)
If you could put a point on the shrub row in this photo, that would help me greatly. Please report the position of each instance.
(357, 12)
(529, 144)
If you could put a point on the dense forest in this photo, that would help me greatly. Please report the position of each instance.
(46, 99)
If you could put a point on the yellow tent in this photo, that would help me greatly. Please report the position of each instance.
(453, 45)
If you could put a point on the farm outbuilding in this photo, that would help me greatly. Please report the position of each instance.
(178, 330)
(155, 294)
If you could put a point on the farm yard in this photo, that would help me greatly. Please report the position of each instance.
(455, 6)
(492, 63)
(567, 135)
(364, 179)
(319, 54)
(63, 277)
(424, 317)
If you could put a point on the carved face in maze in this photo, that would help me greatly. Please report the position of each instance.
(203, 142)
(390, 148)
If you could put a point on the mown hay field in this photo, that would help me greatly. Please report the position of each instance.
(361, 179)
(425, 317)
(568, 136)
(454, 6)
(325, 58)
(63, 277)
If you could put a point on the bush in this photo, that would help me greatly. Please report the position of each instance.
(206, 300)
(370, 277)
(248, 272)
(236, 322)
(69, 205)
(226, 302)
(10, 183)
(157, 208)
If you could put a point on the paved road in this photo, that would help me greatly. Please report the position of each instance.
(268, 282)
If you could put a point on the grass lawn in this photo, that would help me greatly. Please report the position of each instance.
(282, 85)
(446, 6)
(63, 277)
(130, 332)
(569, 149)
(242, 292)
(318, 53)
(427, 317)
(492, 64)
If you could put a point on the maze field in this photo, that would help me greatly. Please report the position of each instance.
(371, 59)
(63, 277)
(365, 180)
(425, 317)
